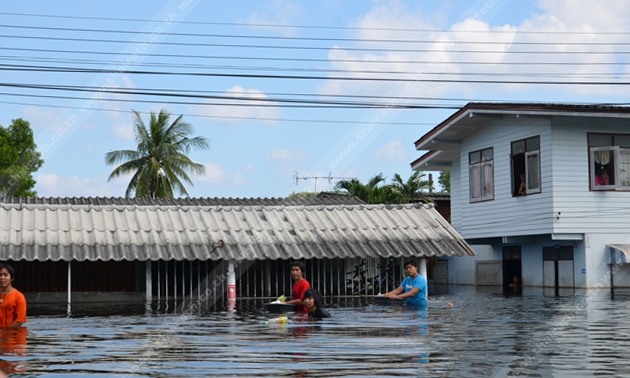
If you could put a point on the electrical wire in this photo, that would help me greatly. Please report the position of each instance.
(293, 120)
(320, 39)
(324, 60)
(301, 77)
(316, 27)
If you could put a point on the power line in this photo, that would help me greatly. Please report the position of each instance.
(316, 48)
(279, 26)
(325, 60)
(317, 39)
(293, 120)
(301, 77)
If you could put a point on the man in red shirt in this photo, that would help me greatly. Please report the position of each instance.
(301, 284)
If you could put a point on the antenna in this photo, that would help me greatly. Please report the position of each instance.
(330, 178)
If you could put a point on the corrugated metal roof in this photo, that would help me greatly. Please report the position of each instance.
(47, 231)
(321, 199)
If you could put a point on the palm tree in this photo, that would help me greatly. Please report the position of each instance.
(414, 188)
(371, 192)
(160, 160)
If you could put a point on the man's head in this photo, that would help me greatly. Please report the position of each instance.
(297, 270)
(411, 267)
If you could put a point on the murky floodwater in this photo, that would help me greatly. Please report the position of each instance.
(482, 334)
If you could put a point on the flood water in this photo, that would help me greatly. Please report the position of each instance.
(483, 333)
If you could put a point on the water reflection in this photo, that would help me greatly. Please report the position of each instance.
(486, 332)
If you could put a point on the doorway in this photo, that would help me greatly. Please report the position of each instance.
(512, 265)
(558, 277)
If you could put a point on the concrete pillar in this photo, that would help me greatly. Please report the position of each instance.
(422, 270)
(231, 280)
(148, 281)
(69, 283)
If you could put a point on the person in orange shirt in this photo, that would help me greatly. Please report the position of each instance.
(12, 302)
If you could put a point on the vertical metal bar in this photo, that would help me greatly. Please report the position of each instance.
(159, 282)
(206, 278)
(198, 280)
(183, 282)
(338, 278)
(268, 276)
(175, 283)
(166, 280)
(277, 280)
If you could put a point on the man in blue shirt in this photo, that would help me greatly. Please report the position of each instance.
(413, 289)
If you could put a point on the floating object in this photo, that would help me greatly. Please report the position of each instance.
(449, 304)
(280, 320)
(282, 298)
(383, 300)
(279, 308)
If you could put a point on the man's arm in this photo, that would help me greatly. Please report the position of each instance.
(392, 294)
(408, 294)
(297, 302)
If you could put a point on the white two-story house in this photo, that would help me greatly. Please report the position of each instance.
(541, 192)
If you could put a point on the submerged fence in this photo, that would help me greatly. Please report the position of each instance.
(272, 278)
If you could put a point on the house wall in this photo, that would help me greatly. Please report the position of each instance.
(505, 215)
(582, 210)
(566, 212)
(461, 270)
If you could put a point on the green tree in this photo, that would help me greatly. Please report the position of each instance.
(160, 160)
(19, 159)
(445, 181)
(415, 188)
(371, 192)
(297, 195)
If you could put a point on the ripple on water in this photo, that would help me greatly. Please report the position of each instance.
(483, 334)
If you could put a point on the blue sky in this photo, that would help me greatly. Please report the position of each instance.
(257, 151)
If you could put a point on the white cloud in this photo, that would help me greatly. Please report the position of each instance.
(42, 118)
(281, 13)
(249, 167)
(284, 154)
(393, 151)
(248, 105)
(72, 186)
(218, 174)
(122, 131)
(445, 54)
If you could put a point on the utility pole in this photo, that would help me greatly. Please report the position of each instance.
(329, 178)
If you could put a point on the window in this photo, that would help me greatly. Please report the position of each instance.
(481, 175)
(609, 159)
(525, 155)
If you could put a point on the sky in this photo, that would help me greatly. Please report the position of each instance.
(292, 95)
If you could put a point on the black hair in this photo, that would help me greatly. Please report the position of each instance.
(317, 297)
(413, 262)
(9, 269)
(300, 265)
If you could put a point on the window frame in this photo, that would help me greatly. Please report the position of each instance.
(481, 167)
(525, 162)
(616, 152)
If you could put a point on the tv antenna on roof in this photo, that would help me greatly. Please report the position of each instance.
(330, 178)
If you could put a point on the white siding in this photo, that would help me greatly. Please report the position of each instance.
(505, 215)
(582, 210)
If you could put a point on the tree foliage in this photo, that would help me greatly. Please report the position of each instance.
(376, 191)
(415, 188)
(159, 164)
(298, 195)
(445, 181)
(19, 159)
